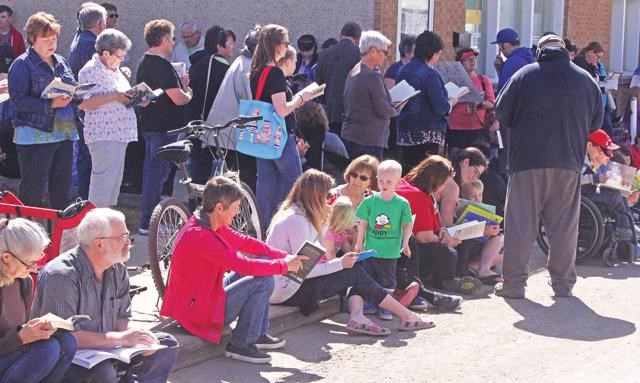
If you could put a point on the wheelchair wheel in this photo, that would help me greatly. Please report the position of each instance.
(590, 231)
(609, 257)
(247, 221)
(167, 219)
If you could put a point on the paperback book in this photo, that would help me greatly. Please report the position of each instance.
(53, 321)
(314, 253)
(402, 92)
(467, 230)
(142, 93)
(57, 88)
(90, 357)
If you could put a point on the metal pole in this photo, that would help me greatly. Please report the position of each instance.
(633, 123)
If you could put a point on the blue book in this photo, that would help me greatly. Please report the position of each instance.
(366, 254)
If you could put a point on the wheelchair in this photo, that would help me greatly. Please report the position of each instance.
(596, 235)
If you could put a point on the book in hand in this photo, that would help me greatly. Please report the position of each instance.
(467, 230)
(313, 88)
(314, 254)
(619, 177)
(455, 91)
(90, 357)
(141, 93)
(52, 321)
(402, 92)
(463, 203)
(611, 81)
(57, 88)
(366, 255)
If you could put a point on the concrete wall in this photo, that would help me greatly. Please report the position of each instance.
(323, 19)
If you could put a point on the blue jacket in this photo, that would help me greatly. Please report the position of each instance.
(28, 76)
(429, 109)
(518, 58)
(81, 51)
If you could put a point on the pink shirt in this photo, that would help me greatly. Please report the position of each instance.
(461, 119)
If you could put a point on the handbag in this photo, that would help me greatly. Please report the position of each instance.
(490, 114)
(266, 139)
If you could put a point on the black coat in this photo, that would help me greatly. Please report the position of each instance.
(198, 73)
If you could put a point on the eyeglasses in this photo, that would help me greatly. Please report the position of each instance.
(386, 53)
(476, 170)
(123, 237)
(119, 57)
(285, 43)
(114, 16)
(27, 265)
(362, 177)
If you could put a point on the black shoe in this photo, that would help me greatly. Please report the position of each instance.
(250, 354)
(445, 302)
(268, 342)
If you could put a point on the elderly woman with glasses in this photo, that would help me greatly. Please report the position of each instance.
(367, 104)
(29, 351)
(109, 122)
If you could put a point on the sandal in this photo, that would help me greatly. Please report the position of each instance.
(363, 328)
(413, 326)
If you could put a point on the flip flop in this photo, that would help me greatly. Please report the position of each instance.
(363, 328)
(414, 326)
(491, 280)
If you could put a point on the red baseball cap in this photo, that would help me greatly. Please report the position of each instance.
(602, 139)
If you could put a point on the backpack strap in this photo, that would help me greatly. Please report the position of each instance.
(262, 81)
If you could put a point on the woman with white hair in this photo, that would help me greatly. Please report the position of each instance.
(29, 352)
(367, 104)
(109, 122)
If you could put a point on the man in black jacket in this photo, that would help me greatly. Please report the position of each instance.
(334, 64)
(550, 107)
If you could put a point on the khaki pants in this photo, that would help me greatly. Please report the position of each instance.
(553, 196)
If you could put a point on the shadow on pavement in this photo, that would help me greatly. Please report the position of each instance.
(568, 318)
(619, 271)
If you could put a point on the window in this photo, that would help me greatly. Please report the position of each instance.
(475, 24)
(415, 16)
(542, 19)
(624, 51)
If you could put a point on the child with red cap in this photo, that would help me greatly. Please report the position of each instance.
(610, 201)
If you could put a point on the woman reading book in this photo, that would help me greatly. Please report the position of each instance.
(303, 216)
(29, 351)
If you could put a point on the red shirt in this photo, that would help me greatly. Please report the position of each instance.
(461, 119)
(195, 296)
(422, 205)
(635, 156)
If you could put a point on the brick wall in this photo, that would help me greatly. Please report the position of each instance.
(385, 20)
(449, 16)
(586, 21)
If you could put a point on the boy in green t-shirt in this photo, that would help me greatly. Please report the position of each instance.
(385, 226)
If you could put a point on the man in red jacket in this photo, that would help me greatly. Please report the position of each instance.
(11, 41)
(203, 299)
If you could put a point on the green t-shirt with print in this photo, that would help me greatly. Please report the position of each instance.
(385, 220)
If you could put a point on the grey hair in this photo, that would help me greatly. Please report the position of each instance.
(111, 40)
(189, 24)
(97, 223)
(373, 39)
(21, 238)
(91, 15)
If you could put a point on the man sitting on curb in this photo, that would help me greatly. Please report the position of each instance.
(202, 298)
(91, 279)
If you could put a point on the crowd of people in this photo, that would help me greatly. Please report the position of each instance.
(409, 165)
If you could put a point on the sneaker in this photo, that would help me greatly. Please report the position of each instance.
(419, 303)
(464, 285)
(384, 314)
(142, 231)
(369, 308)
(500, 291)
(268, 342)
(445, 302)
(250, 354)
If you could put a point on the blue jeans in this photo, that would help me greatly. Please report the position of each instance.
(248, 300)
(154, 174)
(276, 178)
(154, 368)
(41, 361)
(42, 164)
(357, 150)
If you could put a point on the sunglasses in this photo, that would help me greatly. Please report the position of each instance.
(362, 177)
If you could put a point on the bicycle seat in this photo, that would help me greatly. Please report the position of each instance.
(177, 152)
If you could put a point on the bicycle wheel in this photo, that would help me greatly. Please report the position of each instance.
(167, 219)
(247, 220)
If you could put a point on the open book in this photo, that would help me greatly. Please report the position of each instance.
(620, 177)
(315, 89)
(57, 88)
(401, 92)
(141, 93)
(53, 321)
(90, 357)
(467, 230)
(455, 91)
(611, 81)
(314, 252)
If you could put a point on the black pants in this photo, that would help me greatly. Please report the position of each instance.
(433, 259)
(461, 139)
(612, 204)
(413, 155)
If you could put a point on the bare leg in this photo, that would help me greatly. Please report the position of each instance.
(392, 305)
(356, 305)
(490, 256)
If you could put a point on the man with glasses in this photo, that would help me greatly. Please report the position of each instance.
(91, 279)
(191, 41)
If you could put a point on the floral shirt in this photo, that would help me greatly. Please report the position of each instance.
(112, 121)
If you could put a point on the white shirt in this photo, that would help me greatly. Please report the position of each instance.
(181, 52)
(112, 121)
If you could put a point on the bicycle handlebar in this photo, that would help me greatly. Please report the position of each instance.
(200, 125)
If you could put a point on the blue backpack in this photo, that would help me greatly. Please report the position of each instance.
(267, 138)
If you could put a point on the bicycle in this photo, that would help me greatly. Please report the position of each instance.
(171, 214)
